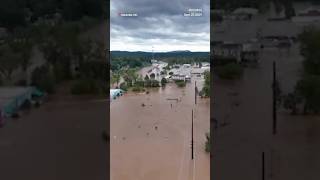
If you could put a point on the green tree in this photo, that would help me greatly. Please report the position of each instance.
(208, 143)
(229, 71)
(163, 81)
(9, 61)
(115, 78)
(180, 83)
(43, 78)
(309, 89)
(291, 102)
(206, 88)
(309, 48)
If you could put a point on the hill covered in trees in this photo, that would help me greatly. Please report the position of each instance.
(139, 59)
(158, 55)
(16, 13)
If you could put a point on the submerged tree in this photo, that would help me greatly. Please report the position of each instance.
(291, 102)
(208, 143)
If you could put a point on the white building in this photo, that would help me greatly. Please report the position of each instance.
(309, 15)
(181, 73)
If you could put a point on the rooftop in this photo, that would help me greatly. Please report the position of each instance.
(9, 93)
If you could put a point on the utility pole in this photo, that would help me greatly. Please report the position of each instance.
(192, 136)
(195, 92)
(274, 99)
(263, 168)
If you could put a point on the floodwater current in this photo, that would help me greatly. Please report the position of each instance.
(151, 134)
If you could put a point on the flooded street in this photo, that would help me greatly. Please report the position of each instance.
(59, 140)
(243, 109)
(154, 141)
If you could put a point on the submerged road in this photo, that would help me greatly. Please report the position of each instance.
(154, 141)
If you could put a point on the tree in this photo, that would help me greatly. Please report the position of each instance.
(23, 47)
(289, 9)
(309, 49)
(180, 83)
(206, 88)
(43, 78)
(229, 71)
(208, 143)
(9, 61)
(291, 102)
(146, 77)
(309, 89)
(163, 81)
(115, 78)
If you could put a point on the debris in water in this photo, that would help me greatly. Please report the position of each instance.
(143, 105)
(156, 127)
(139, 126)
(123, 138)
(147, 134)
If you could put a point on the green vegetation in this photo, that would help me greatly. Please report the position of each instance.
(43, 78)
(180, 83)
(205, 92)
(229, 71)
(151, 83)
(163, 81)
(118, 63)
(56, 28)
(137, 89)
(124, 86)
(307, 89)
(85, 86)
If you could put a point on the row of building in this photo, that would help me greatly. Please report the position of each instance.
(249, 51)
(177, 71)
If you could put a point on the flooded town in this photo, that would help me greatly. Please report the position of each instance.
(160, 90)
(263, 130)
(152, 139)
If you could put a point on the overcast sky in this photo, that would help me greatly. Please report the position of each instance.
(161, 24)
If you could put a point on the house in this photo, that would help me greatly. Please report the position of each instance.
(250, 52)
(243, 14)
(205, 64)
(226, 52)
(243, 10)
(181, 73)
(310, 15)
(12, 98)
(200, 71)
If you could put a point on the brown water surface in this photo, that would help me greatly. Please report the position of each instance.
(154, 141)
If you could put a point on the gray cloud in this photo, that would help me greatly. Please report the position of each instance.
(161, 22)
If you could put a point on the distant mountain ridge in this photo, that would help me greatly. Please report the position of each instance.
(182, 53)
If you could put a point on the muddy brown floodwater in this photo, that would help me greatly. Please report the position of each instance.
(154, 141)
